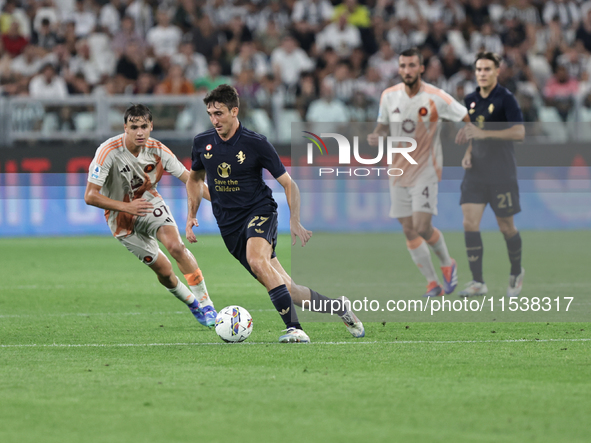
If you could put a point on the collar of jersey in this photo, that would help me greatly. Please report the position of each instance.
(232, 140)
(490, 96)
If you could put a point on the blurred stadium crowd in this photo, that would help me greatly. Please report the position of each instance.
(323, 60)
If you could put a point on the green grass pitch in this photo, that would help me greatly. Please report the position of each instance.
(92, 349)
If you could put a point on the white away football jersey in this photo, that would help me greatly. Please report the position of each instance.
(124, 177)
(417, 118)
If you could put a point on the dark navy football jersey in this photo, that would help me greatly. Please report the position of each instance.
(493, 161)
(234, 170)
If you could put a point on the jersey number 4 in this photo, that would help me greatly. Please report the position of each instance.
(426, 192)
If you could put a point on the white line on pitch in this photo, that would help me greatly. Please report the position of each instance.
(82, 314)
(398, 342)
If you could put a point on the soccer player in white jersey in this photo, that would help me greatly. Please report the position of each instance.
(413, 109)
(122, 180)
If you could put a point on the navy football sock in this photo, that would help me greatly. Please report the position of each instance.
(475, 252)
(325, 305)
(284, 305)
(514, 249)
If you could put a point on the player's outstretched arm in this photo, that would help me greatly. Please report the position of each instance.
(292, 192)
(381, 130)
(195, 185)
(93, 197)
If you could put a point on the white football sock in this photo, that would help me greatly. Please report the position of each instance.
(200, 292)
(182, 293)
(422, 258)
(437, 243)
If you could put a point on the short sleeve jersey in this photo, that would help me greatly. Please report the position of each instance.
(124, 177)
(234, 171)
(493, 161)
(418, 117)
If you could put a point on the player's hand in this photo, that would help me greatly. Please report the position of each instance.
(191, 222)
(297, 230)
(139, 207)
(467, 161)
(473, 133)
(373, 139)
(461, 137)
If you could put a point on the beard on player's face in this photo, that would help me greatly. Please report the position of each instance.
(410, 81)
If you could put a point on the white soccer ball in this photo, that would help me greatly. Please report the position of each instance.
(233, 324)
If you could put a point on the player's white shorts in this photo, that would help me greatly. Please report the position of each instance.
(406, 200)
(142, 241)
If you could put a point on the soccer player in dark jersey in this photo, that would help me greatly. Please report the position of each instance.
(491, 170)
(232, 158)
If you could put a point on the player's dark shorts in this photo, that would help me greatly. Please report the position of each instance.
(262, 225)
(503, 198)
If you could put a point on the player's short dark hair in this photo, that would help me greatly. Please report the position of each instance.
(137, 111)
(487, 55)
(411, 52)
(224, 94)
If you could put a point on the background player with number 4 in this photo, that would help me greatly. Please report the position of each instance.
(122, 180)
(414, 109)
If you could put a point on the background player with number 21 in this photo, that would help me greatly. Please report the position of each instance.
(410, 109)
(491, 171)
(122, 180)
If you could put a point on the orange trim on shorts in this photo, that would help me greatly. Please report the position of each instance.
(414, 244)
(434, 237)
(194, 278)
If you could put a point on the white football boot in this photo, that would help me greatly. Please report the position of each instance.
(515, 284)
(473, 288)
(353, 324)
(294, 335)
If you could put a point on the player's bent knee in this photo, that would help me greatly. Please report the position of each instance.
(409, 233)
(470, 225)
(177, 250)
(425, 232)
(508, 230)
(260, 267)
